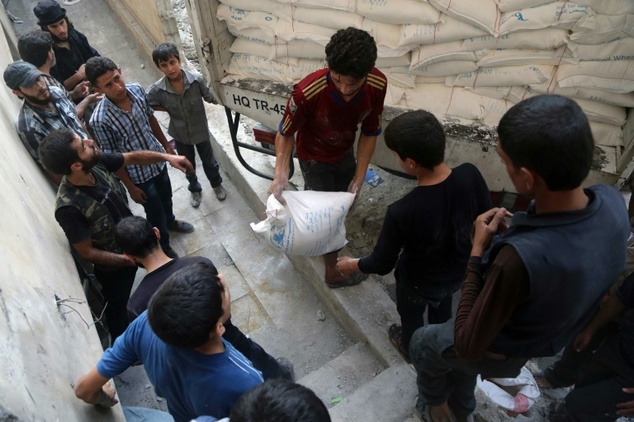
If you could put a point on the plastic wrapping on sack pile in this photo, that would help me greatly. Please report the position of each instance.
(470, 49)
(310, 224)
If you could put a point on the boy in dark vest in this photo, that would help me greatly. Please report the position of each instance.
(532, 285)
(90, 201)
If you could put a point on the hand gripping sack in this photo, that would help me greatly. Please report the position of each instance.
(524, 388)
(311, 223)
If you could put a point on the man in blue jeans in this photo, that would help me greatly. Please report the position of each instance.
(140, 242)
(124, 121)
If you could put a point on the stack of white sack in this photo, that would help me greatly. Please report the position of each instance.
(462, 59)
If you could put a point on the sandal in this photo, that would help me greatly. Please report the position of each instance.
(394, 333)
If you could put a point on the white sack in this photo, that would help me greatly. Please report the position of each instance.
(449, 30)
(266, 6)
(502, 76)
(616, 76)
(328, 18)
(560, 14)
(511, 5)
(607, 28)
(482, 13)
(429, 54)
(525, 384)
(445, 68)
(398, 11)
(598, 95)
(622, 49)
(310, 224)
(603, 113)
(494, 58)
(605, 134)
(546, 39)
(348, 5)
(610, 7)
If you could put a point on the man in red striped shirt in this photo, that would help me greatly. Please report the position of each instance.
(321, 121)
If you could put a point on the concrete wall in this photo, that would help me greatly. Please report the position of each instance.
(146, 14)
(44, 347)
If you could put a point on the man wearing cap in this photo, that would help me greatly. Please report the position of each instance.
(71, 47)
(36, 47)
(45, 108)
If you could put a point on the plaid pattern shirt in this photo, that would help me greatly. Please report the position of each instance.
(35, 124)
(118, 130)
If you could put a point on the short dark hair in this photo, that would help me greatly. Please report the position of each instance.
(550, 135)
(163, 52)
(135, 236)
(56, 153)
(279, 400)
(351, 52)
(98, 66)
(417, 135)
(185, 309)
(34, 47)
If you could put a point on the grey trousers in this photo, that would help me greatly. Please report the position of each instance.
(441, 376)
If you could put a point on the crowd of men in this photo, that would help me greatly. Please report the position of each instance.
(531, 283)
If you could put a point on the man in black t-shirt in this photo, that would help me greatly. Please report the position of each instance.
(140, 243)
(90, 201)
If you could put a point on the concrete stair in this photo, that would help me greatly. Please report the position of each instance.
(343, 375)
(389, 397)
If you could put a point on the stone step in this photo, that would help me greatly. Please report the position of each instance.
(342, 376)
(388, 397)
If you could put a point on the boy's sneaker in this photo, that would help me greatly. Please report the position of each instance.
(194, 201)
(220, 192)
(180, 226)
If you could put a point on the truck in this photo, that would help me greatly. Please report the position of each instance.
(264, 100)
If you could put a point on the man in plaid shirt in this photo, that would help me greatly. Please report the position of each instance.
(124, 121)
(44, 110)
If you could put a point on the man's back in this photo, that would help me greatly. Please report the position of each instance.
(572, 259)
(193, 383)
(152, 281)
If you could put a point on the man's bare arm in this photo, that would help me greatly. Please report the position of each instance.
(100, 257)
(93, 389)
(365, 150)
(284, 145)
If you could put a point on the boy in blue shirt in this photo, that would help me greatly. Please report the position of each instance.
(179, 341)
(181, 93)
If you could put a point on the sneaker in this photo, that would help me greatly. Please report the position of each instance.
(170, 252)
(194, 201)
(288, 368)
(180, 226)
(220, 192)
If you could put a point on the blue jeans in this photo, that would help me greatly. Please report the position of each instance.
(158, 205)
(442, 376)
(210, 165)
